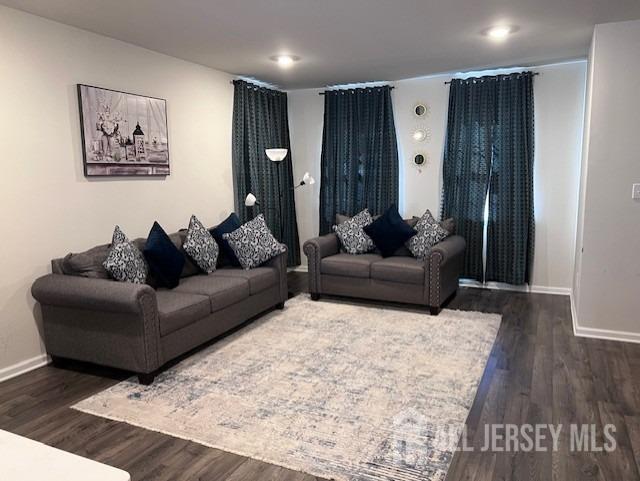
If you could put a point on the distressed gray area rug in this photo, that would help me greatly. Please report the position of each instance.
(328, 388)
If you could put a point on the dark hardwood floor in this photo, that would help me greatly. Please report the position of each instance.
(538, 372)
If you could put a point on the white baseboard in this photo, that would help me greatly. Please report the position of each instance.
(595, 333)
(22, 367)
(606, 334)
(563, 291)
(301, 268)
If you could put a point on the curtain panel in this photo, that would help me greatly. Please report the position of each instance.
(488, 160)
(260, 121)
(359, 164)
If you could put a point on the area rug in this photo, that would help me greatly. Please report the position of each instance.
(332, 389)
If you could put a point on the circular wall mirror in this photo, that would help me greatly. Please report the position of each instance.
(420, 110)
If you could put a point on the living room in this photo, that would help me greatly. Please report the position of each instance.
(302, 240)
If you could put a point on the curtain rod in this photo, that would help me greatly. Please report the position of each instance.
(391, 87)
(533, 73)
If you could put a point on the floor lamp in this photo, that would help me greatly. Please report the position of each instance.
(277, 156)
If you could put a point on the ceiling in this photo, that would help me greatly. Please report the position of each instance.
(344, 41)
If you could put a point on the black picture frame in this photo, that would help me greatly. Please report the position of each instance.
(123, 134)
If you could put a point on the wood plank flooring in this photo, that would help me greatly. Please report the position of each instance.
(538, 372)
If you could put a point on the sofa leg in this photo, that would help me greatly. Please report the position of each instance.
(315, 296)
(434, 310)
(58, 362)
(146, 379)
(280, 305)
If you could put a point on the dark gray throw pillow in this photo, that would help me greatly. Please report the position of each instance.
(253, 243)
(87, 263)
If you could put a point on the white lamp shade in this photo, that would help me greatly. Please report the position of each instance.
(250, 200)
(276, 155)
(307, 179)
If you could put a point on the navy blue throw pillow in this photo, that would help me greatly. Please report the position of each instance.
(163, 257)
(389, 232)
(227, 257)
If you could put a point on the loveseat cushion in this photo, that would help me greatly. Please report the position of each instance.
(221, 290)
(179, 309)
(349, 265)
(407, 270)
(259, 278)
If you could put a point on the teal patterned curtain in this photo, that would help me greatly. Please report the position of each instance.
(359, 154)
(260, 121)
(511, 229)
(467, 161)
(489, 152)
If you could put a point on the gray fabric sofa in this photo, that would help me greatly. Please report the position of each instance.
(138, 328)
(400, 278)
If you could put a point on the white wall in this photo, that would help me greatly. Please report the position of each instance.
(559, 107)
(48, 208)
(608, 258)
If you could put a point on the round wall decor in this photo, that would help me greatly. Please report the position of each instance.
(421, 134)
(421, 110)
(420, 160)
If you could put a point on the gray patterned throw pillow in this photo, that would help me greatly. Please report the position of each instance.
(125, 262)
(201, 246)
(430, 232)
(253, 243)
(352, 235)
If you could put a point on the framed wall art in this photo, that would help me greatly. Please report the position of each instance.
(123, 134)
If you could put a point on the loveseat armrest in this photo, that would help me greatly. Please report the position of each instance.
(279, 263)
(316, 249)
(93, 294)
(322, 246)
(446, 261)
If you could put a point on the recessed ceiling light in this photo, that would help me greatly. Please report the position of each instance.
(499, 32)
(285, 61)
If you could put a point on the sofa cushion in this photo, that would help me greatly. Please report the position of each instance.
(221, 290)
(407, 270)
(163, 257)
(349, 265)
(389, 232)
(179, 309)
(259, 279)
(87, 263)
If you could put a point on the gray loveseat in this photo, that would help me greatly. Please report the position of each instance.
(399, 278)
(138, 328)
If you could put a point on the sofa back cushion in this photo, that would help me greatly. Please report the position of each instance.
(89, 262)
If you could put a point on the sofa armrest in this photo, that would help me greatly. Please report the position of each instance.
(101, 321)
(445, 261)
(279, 262)
(94, 294)
(315, 250)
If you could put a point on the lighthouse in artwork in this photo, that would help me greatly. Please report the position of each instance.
(139, 145)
